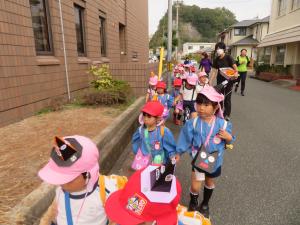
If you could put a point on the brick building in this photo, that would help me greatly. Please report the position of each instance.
(39, 60)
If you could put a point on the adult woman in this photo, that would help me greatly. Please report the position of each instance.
(222, 60)
(205, 63)
(242, 62)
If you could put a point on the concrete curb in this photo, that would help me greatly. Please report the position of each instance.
(111, 142)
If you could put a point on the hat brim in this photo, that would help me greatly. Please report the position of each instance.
(148, 111)
(117, 213)
(53, 177)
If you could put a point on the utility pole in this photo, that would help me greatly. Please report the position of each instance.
(178, 3)
(170, 28)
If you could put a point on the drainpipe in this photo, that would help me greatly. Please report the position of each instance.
(64, 49)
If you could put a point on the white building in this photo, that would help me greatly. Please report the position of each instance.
(194, 47)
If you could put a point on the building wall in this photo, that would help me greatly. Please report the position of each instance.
(28, 82)
(290, 19)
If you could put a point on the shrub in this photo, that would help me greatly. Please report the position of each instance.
(106, 90)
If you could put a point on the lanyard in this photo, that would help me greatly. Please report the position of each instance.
(210, 132)
(68, 208)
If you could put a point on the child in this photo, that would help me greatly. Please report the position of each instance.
(189, 92)
(152, 143)
(74, 168)
(177, 101)
(151, 92)
(211, 132)
(165, 99)
(203, 79)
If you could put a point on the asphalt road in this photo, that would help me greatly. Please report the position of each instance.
(260, 182)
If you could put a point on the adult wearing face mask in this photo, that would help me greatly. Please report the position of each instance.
(223, 60)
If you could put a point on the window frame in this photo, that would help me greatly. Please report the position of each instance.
(46, 10)
(281, 11)
(295, 5)
(82, 23)
(240, 33)
(102, 33)
(277, 62)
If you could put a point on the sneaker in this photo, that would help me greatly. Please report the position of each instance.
(236, 88)
(204, 210)
(194, 204)
(227, 118)
(242, 93)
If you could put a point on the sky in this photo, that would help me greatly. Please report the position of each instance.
(243, 9)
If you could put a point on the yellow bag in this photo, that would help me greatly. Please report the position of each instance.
(191, 218)
(119, 181)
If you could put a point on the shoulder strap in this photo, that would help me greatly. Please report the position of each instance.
(225, 125)
(195, 122)
(193, 93)
(68, 209)
(101, 183)
(162, 131)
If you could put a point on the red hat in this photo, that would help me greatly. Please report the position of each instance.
(153, 108)
(177, 83)
(161, 84)
(129, 206)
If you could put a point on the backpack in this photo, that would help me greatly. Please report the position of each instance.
(238, 61)
(120, 183)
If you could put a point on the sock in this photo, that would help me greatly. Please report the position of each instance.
(207, 194)
(193, 193)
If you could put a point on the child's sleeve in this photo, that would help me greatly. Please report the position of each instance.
(136, 140)
(229, 130)
(185, 138)
(169, 143)
(170, 101)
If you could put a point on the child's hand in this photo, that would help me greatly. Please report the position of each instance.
(223, 134)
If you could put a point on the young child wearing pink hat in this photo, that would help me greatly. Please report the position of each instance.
(205, 138)
(152, 142)
(74, 168)
(203, 79)
(189, 91)
(151, 91)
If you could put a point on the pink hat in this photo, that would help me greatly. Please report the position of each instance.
(202, 74)
(153, 80)
(70, 157)
(192, 79)
(211, 93)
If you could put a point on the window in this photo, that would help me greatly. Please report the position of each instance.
(190, 47)
(122, 39)
(102, 36)
(79, 26)
(281, 7)
(295, 4)
(230, 34)
(201, 47)
(280, 53)
(41, 27)
(266, 56)
(240, 31)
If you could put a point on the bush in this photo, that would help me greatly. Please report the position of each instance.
(106, 90)
(284, 70)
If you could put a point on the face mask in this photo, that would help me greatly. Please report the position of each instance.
(220, 51)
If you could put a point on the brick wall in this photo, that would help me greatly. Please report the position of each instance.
(29, 81)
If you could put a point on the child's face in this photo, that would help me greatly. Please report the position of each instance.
(78, 184)
(160, 91)
(203, 80)
(152, 87)
(206, 110)
(189, 86)
(149, 120)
